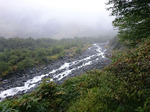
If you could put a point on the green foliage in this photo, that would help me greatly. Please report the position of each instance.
(123, 86)
(18, 54)
(27, 62)
(115, 43)
(4, 66)
(132, 18)
(39, 101)
(78, 51)
(132, 69)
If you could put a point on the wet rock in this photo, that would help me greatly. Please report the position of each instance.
(5, 81)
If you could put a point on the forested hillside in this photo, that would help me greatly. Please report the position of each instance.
(18, 54)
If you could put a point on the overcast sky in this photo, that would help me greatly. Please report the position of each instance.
(29, 17)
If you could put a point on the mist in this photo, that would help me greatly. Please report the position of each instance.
(55, 18)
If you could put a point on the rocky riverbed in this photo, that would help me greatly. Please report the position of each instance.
(58, 71)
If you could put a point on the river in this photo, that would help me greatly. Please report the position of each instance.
(21, 83)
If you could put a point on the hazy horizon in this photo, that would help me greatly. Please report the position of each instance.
(55, 18)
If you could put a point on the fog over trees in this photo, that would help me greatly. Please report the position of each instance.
(56, 19)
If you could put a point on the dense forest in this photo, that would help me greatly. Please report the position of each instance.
(123, 86)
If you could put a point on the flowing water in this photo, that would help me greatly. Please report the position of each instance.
(94, 55)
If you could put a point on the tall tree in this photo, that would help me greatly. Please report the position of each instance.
(132, 18)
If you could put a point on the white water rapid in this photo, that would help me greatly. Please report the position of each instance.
(57, 74)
